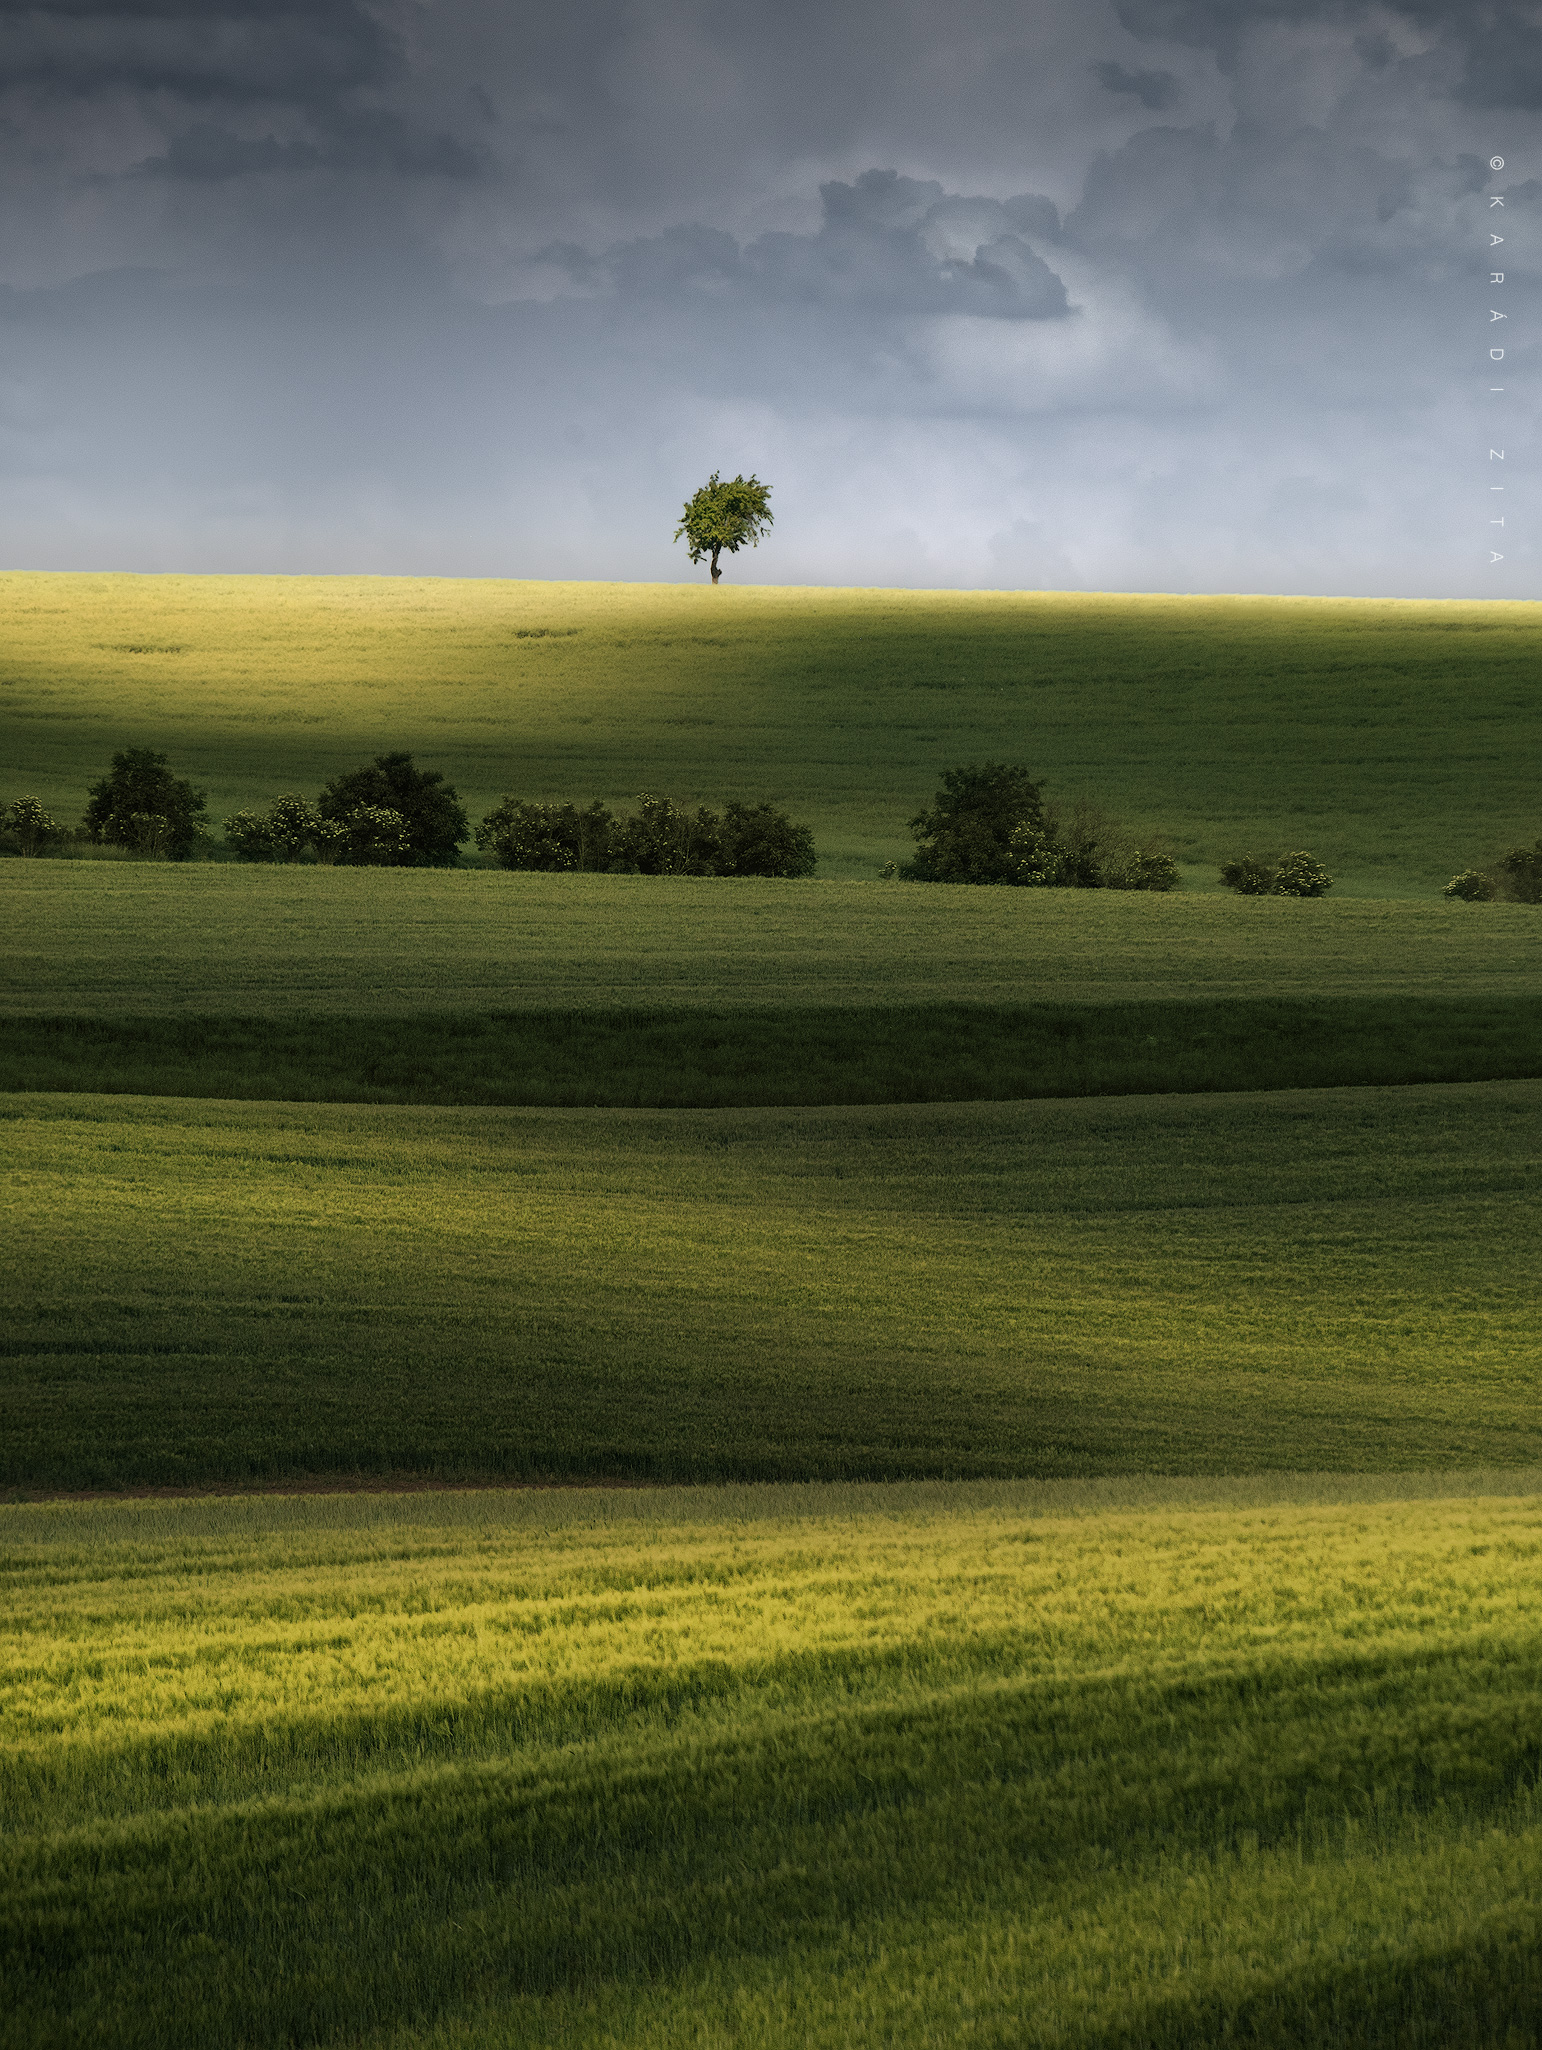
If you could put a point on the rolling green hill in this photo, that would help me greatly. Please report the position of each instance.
(208, 1292)
(1094, 1760)
(1398, 740)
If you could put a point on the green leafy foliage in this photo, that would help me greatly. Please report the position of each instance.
(1083, 848)
(989, 824)
(28, 827)
(661, 838)
(759, 840)
(434, 825)
(553, 838)
(139, 804)
(1293, 875)
(1472, 886)
(1249, 875)
(966, 835)
(1301, 875)
(721, 518)
(282, 833)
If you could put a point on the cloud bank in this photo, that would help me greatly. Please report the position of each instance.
(1136, 294)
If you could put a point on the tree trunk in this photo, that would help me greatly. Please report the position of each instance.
(716, 572)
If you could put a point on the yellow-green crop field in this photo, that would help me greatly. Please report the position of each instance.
(1397, 740)
(1160, 1765)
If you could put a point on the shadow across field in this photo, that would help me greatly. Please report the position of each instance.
(919, 1053)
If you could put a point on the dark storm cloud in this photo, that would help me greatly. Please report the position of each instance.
(225, 50)
(315, 71)
(1499, 41)
(1154, 89)
(886, 244)
(358, 139)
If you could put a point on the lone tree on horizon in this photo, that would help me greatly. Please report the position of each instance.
(725, 516)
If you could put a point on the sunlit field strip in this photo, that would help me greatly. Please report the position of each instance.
(1395, 738)
(197, 1291)
(1135, 1762)
(97, 938)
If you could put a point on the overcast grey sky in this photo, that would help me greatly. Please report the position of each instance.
(1185, 295)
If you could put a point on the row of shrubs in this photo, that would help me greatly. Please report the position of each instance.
(989, 823)
(394, 814)
(660, 839)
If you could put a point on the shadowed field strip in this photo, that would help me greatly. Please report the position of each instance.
(1000, 1764)
(192, 1291)
(745, 1057)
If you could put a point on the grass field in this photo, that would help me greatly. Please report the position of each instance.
(1047, 1749)
(138, 939)
(213, 1291)
(993, 1766)
(1397, 740)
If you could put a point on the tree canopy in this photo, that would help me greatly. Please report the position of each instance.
(433, 822)
(723, 518)
(966, 835)
(140, 804)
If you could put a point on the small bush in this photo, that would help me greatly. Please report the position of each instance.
(1293, 875)
(281, 834)
(759, 840)
(663, 839)
(1299, 875)
(377, 836)
(990, 825)
(1249, 876)
(1086, 849)
(248, 836)
(1472, 886)
(27, 828)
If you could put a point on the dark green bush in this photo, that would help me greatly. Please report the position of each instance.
(967, 835)
(1249, 876)
(547, 837)
(661, 838)
(1300, 875)
(989, 825)
(759, 840)
(140, 805)
(435, 825)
